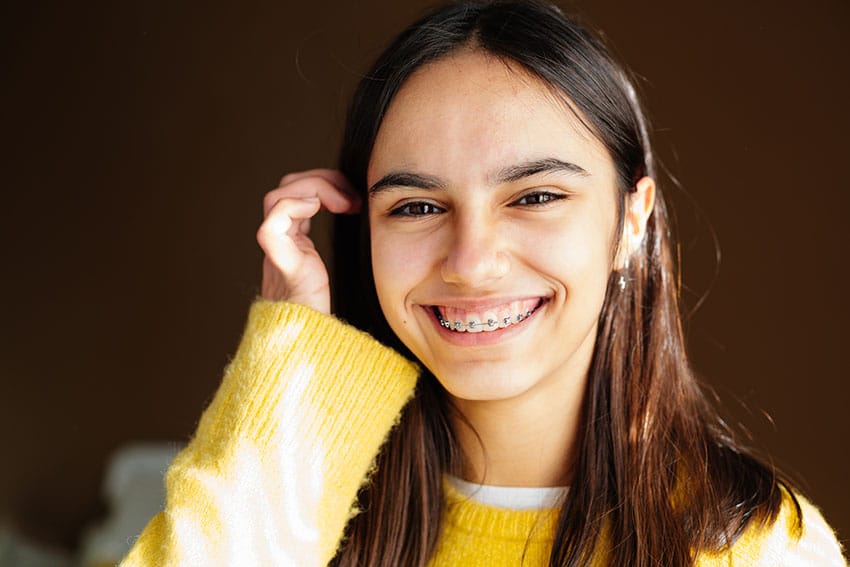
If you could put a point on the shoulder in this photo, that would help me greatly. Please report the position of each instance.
(818, 544)
(799, 536)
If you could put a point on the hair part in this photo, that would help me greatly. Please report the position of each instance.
(657, 471)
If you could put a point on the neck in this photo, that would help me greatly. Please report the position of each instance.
(528, 440)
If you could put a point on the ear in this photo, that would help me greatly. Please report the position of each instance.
(639, 204)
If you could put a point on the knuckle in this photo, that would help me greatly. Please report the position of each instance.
(289, 178)
(274, 226)
(262, 235)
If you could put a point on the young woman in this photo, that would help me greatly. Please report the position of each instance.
(505, 232)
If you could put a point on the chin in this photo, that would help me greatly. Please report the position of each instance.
(482, 382)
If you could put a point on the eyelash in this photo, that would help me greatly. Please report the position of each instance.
(542, 198)
(405, 209)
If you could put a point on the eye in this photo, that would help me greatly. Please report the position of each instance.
(416, 209)
(537, 198)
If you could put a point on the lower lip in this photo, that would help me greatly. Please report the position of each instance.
(484, 338)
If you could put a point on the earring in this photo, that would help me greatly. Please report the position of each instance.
(622, 280)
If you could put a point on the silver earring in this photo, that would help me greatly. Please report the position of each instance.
(622, 280)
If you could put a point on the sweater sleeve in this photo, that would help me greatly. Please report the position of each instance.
(781, 544)
(818, 544)
(272, 473)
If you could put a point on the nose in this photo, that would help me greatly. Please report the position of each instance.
(475, 255)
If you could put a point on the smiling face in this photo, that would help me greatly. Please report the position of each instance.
(492, 214)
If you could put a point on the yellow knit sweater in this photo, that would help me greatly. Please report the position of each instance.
(272, 473)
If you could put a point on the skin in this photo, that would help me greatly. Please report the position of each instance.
(486, 190)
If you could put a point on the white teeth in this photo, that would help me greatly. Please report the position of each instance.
(489, 320)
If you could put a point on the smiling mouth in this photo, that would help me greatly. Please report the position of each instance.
(486, 320)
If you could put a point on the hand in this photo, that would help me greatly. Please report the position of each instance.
(292, 268)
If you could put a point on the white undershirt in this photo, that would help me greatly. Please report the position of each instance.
(510, 497)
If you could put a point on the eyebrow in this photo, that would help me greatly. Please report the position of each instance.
(406, 179)
(506, 175)
(547, 165)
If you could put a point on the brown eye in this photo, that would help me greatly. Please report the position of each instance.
(537, 198)
(417, 209)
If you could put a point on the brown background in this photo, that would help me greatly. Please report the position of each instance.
(139, 140)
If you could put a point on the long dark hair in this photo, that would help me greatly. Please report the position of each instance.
(656, 469)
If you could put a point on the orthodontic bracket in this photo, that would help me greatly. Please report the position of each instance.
(491, 323)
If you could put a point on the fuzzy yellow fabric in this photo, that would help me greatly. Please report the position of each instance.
(778, 544)
(272, 473)
(478, 535)
(274, 467)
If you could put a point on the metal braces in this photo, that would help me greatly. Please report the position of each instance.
(491, 323)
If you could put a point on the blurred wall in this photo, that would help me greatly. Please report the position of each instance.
(139, 138)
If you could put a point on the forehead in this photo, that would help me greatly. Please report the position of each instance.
(471, 113)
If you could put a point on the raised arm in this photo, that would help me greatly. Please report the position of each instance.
(272, 473)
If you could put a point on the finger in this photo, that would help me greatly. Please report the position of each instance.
(287, 215)
(332, 176)
(281, 251)
(334, 198)
(330, 196)
(283, 243)
(304, 227)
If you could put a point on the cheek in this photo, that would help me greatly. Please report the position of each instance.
(571, 250)
(398, 265)
(384, 264)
